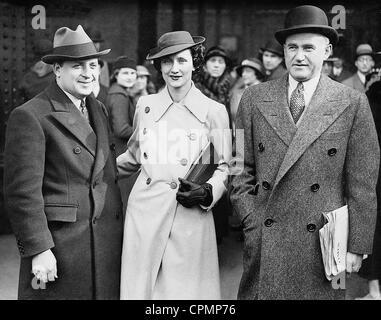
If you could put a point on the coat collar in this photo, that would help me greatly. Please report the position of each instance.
(116, 88)
(194, 101)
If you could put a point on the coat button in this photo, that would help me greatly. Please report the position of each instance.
(332, 152)
(147, 109)
(192, 136)
(144, 130)
(261, 147)
(148, 181)
(315, 187)
(145, 155)
(269, 222)
(112, 146)
(173, 185)
(95, 220)
(184, 162)
(266, 185)
(95, 183)
(77, 150)
(311, 227)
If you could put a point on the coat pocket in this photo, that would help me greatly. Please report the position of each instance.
(61, 212)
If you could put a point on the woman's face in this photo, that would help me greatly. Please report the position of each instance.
(248, 76)
(216, 66)
(177, 69)
(126, 77)
(141, 82)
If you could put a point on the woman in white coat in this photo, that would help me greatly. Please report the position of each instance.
(169, 248)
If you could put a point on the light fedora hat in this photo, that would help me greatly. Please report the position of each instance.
(173, 42)
(72, 45)
(306, 19)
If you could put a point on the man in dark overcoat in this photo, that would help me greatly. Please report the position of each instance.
(310, 146)
(60, 182)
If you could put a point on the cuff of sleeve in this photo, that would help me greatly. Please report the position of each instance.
(218, 189)
(36, 246)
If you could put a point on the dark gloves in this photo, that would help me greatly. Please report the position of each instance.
(191, 194)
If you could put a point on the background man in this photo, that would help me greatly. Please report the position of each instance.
(310, 147)
(60, 181)
(272, 58)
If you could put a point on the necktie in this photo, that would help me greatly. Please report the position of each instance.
(84, 111)
(297, 102)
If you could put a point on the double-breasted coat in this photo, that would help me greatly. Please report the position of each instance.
(169, 251)
(292, 175)
(61, 194)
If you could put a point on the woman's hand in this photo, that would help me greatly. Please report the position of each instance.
(191, 194)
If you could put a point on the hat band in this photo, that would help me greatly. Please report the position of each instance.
(173, 43)
(76, 50)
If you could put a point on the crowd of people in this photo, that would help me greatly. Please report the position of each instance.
(88, 123)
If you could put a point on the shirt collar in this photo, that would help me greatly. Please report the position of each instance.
(309, 87)
(192, 101)
(75, 100)
(361, 76)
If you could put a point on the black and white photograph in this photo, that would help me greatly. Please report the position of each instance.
(211, 151)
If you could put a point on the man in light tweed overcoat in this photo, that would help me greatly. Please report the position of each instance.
(310, 146)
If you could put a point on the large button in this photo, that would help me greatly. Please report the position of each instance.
(261, 147)
(332, 152)
(147, 109)
(112, 146)
(95, 183)
(269, 222)
(77, 150)
(173, 185)
(94, 220)
(148, 181)
(192, 136)
(315, 187)
(145, 155)
(266, 185)
(311, 227)
(144, 130)
(184, 162)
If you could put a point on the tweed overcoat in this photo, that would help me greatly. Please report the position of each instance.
(292, 175)
(61, 194)
(169, 251)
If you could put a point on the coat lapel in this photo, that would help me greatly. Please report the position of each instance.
(100, 128)
(69, 116)
(274, 108)
(325, 107)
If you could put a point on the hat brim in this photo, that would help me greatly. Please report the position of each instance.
(240, 68)
(52, 58)
(327, 31)
(280, 54)
(158, 53)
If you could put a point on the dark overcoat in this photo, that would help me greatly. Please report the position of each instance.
(291, 175)
(61, 194)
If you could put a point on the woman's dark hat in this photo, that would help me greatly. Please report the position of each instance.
(216, 51)
(69, 45)
(124, 62)
(274, 47)
(306, 19)
(173, 42)
(252, 63)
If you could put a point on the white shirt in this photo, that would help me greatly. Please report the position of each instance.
(361, 76)
(309, 89)
(75, 100)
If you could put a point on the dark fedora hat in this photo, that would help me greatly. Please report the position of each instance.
(274, 47)
(252, 63)
(72, 45)
(306, 19)
(173, 42)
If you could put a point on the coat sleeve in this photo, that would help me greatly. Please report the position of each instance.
(361, 173)
(119, 107)
(243, 179)
(129, 161)
(24, 160)
(221, 137)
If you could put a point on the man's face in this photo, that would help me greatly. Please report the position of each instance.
(177, 69)
(364, 63)
(77, 77)
(304, 55)
(271, 60)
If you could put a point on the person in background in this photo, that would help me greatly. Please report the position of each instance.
(215, 81)
(340, 73)
(119, 102)
(272, 59)
(364, 64)
(143, 85)
(40, 75)
(100, 91)
(327, 67)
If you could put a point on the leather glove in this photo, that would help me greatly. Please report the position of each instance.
(191, 194)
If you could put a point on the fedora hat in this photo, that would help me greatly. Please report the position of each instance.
(306, 19)
(364, 49)
(253, 63)
(72, 45)
(173, 42)
(274, 47)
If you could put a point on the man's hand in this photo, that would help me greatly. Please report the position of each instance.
(353, 262)
(44, 266)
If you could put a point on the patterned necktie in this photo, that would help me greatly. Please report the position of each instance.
(84, 111)
(297, 102)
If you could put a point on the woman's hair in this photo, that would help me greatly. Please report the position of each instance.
(114, 75)
(258, 75)
(197, 53)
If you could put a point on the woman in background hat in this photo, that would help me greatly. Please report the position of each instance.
(120, 104)
(143, 85)
(169, 249)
